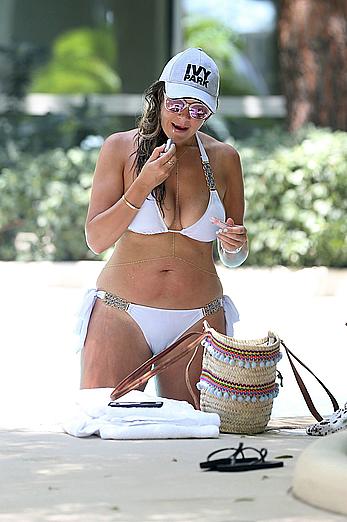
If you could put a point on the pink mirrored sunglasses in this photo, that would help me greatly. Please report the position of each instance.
(197, 110)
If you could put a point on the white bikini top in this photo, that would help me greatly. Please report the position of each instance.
(149, 220)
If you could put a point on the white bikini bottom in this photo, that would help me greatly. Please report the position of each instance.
(160, 327)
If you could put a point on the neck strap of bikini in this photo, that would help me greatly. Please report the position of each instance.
(206, 165)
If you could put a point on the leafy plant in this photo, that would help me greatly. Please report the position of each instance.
(295, 186)
(296, 193)
(44, 205)
(21, 133)
(19, 61)
(83, 61)
(219, 41)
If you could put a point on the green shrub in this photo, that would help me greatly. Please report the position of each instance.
(44, 204)
(83, 61)
(295, 186)
(23, 133)
(226, 47)
(296, 194)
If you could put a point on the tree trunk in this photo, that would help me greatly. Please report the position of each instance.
(313, 60)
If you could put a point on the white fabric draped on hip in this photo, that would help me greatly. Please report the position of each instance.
(83, 316)
(231, 315)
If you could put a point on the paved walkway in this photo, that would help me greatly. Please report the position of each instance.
(54, 477)
(47, 475)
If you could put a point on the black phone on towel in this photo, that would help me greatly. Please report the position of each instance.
(144, 404)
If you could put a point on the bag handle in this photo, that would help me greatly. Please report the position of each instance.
(161, 361)
(169, 356)
(194, 396)
(302, 386)
(300, 382)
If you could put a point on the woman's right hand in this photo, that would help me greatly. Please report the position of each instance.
(158, 167)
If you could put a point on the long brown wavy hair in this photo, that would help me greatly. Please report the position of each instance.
(150, 133)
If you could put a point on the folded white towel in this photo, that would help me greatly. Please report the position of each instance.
(175, 419)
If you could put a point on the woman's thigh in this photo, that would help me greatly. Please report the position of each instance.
(114, 347)
(171, 382)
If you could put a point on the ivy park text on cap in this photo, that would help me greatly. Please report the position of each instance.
(192, 74)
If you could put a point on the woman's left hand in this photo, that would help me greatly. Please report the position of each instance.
(232, 237)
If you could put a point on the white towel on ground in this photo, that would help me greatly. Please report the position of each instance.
(91, 415)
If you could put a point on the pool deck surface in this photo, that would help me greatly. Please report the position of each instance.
(47, 475)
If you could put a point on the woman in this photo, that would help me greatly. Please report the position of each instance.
(163, 210)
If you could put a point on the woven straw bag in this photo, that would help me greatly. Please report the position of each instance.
(238, 380)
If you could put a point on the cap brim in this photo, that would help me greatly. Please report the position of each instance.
(178, 90)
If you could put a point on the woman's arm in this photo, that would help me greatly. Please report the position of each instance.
(109, 214)
(232, 237)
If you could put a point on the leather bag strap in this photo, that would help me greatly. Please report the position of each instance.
(302, 386)
(297, 376)
(175, 352)
(195, 396)
(157, 364)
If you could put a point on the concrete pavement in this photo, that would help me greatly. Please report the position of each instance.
(54, 477)
(47, 475)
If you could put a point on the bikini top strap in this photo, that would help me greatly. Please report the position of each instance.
(206, 165)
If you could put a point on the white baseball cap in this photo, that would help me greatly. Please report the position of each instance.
(192, 74)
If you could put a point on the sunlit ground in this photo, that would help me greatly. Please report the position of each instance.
(39, 372)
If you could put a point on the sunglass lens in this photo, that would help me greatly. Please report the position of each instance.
(198, 111)
(174, 105)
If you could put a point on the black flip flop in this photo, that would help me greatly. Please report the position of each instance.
(238, 462)
(258, 464)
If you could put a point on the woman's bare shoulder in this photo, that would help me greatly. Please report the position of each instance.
(224, 156)
(120, 143)
(218, 147)
(114, 154)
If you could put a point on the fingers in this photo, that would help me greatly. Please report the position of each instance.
(157, 152)
(229, 228)
(238, 230)
(231, 246)
(167, 160)
(160, 165)
(222, 224)
(232, 236)
(170, 163)
(160, 156)
(169, 156)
